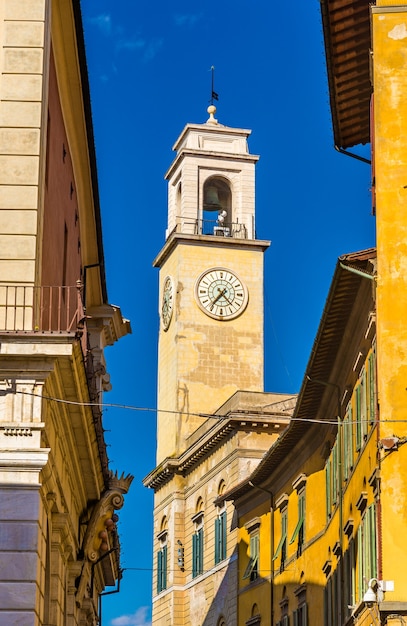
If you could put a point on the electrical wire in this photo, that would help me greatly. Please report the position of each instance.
(129, 407)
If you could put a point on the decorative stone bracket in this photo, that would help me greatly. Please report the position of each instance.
(101, 519)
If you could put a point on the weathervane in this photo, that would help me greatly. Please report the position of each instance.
(214, 95)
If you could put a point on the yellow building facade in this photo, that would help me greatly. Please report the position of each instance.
(308, 514)
(322, 518)
(59, 546)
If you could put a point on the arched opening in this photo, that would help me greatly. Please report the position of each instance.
(217, 207)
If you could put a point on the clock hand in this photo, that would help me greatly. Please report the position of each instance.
(220, 294)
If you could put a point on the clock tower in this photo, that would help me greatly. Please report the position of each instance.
(211, 281)
(214, 421)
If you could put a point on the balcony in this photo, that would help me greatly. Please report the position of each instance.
(30, 309)
(235, 230)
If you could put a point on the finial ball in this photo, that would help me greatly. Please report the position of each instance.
(211, 109)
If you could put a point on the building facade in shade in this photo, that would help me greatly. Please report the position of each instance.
(58, 541)
(214, 420)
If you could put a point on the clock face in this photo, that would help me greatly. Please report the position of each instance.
(221, 294)
(167, 304)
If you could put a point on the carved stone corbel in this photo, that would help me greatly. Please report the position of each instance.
(111, 500)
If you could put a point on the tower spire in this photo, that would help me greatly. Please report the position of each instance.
(214, 96)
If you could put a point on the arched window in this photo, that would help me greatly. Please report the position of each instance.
(254, 619)
(198, 539)
(217, 207)
(162, 556)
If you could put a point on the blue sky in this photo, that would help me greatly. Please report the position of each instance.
(149, 70)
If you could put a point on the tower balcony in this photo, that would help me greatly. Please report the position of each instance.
(215, 228)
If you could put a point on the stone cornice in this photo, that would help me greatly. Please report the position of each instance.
(202, 154)
(176, 239)
(214, 437)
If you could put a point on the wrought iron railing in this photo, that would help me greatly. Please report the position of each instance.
(26, 308)
(215, 228)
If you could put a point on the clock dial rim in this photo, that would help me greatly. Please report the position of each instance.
(168, 287)
(239, 304)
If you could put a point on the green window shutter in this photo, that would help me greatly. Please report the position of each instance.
(351, 447)
(251, 570)
(283, 535)
(194, 554)
(305, 615)
(334, 473)
(359, 564)
(372, 383)
(200, 551)
(301, 520)
(328, 488)
(358, 422)
(363, 404)
(223, 537)
(345, 447)
(159, 571)
(164, 568)
(371, 548)
(217, 540)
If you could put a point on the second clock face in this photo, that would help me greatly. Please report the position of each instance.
(167, 303)
(221, 294)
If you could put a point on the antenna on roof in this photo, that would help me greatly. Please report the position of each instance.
(214, 95)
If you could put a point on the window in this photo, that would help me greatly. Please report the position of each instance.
(252, 568)
(220, 537)
(162, 557)
(162, 569)
(198, 541)
(366, 550)
(282, 545)
(299, 532)
(300, 616)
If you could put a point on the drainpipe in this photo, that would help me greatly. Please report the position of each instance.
(109, 593)
(351, 154)
(271, 544)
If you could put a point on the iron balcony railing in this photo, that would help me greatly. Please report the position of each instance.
(235, 230)
(26, 308)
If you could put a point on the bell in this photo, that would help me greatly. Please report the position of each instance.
(211, 197)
